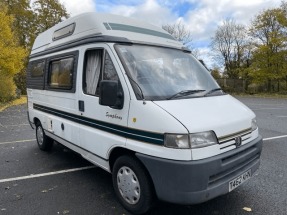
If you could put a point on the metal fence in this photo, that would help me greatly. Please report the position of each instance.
(245, 86)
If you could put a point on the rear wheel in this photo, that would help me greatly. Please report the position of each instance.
(132, 185)
(44, 142)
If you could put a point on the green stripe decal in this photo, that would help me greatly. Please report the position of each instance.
(140, 135)
(122, 27)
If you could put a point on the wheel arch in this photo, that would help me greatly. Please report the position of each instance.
(36, 120)
(116, 152)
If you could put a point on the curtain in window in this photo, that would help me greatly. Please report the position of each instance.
(93, 70)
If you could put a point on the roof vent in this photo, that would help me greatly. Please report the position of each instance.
(64, 32)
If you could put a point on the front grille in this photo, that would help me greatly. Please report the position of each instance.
(235, 164)
(228, 141)
(232, 172)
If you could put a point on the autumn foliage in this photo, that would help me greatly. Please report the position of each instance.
(21, 22)
(11, 56)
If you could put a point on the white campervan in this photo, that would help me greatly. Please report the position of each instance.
(131, 99)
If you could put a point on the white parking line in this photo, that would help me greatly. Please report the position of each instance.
(75, 169)
(16, 125)
(273, 138)
(46, 174)
(269, 108)
(18, 141)
(8, 117)
(31, 140)
(256, 104)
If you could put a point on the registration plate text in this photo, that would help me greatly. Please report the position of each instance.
(239, 180)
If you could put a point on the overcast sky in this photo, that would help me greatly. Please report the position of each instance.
(201, 16)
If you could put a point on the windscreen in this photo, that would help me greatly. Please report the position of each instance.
(161, 73)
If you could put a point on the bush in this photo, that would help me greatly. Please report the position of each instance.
(7, 88)
(20, 81)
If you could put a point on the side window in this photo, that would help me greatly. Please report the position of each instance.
(36, 74)
(37, 69)
(61, 73)
(97, 69)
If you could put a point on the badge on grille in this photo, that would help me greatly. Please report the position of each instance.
(238, 141)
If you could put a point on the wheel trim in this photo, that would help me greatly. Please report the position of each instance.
(40, 135)
(128, 185)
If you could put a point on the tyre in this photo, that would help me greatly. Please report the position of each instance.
(44, 142)
(132, 185)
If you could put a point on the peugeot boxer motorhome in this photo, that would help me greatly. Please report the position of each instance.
(129, 98)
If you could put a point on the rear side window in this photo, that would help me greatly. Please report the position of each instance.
(61, 73)
(36, 74)
(37, 69)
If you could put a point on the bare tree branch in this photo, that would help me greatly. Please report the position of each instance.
(181, 33)
(229, 45)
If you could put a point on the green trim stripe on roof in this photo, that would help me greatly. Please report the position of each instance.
(122, 27)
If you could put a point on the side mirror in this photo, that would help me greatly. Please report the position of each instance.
(111, 94)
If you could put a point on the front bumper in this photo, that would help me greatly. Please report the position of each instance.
(192, 182)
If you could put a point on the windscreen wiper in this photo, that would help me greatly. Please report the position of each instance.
(184, 93)
(212, 91)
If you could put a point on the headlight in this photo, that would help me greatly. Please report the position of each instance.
(176, 141)
(185, 141)
(202, 139)
(254, 124)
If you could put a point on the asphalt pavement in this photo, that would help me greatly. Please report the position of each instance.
(62, 182)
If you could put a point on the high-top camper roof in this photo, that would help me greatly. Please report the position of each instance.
(106, 27)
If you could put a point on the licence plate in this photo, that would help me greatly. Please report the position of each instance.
(239, 180)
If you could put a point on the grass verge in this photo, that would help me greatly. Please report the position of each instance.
(20, 101)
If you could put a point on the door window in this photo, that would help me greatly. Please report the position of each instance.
(98, 66)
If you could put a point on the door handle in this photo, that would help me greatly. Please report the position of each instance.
(81, 106)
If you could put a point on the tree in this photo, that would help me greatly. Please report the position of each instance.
(48, 13)
(269, 58)
(24, 19)
(215, 72)
(29, 21)
(24, 30)
(283, 15)
(11, 55)
(181, 33)
(228, 46)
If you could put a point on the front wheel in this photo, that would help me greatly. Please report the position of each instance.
(132, 185)
(44, 142)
